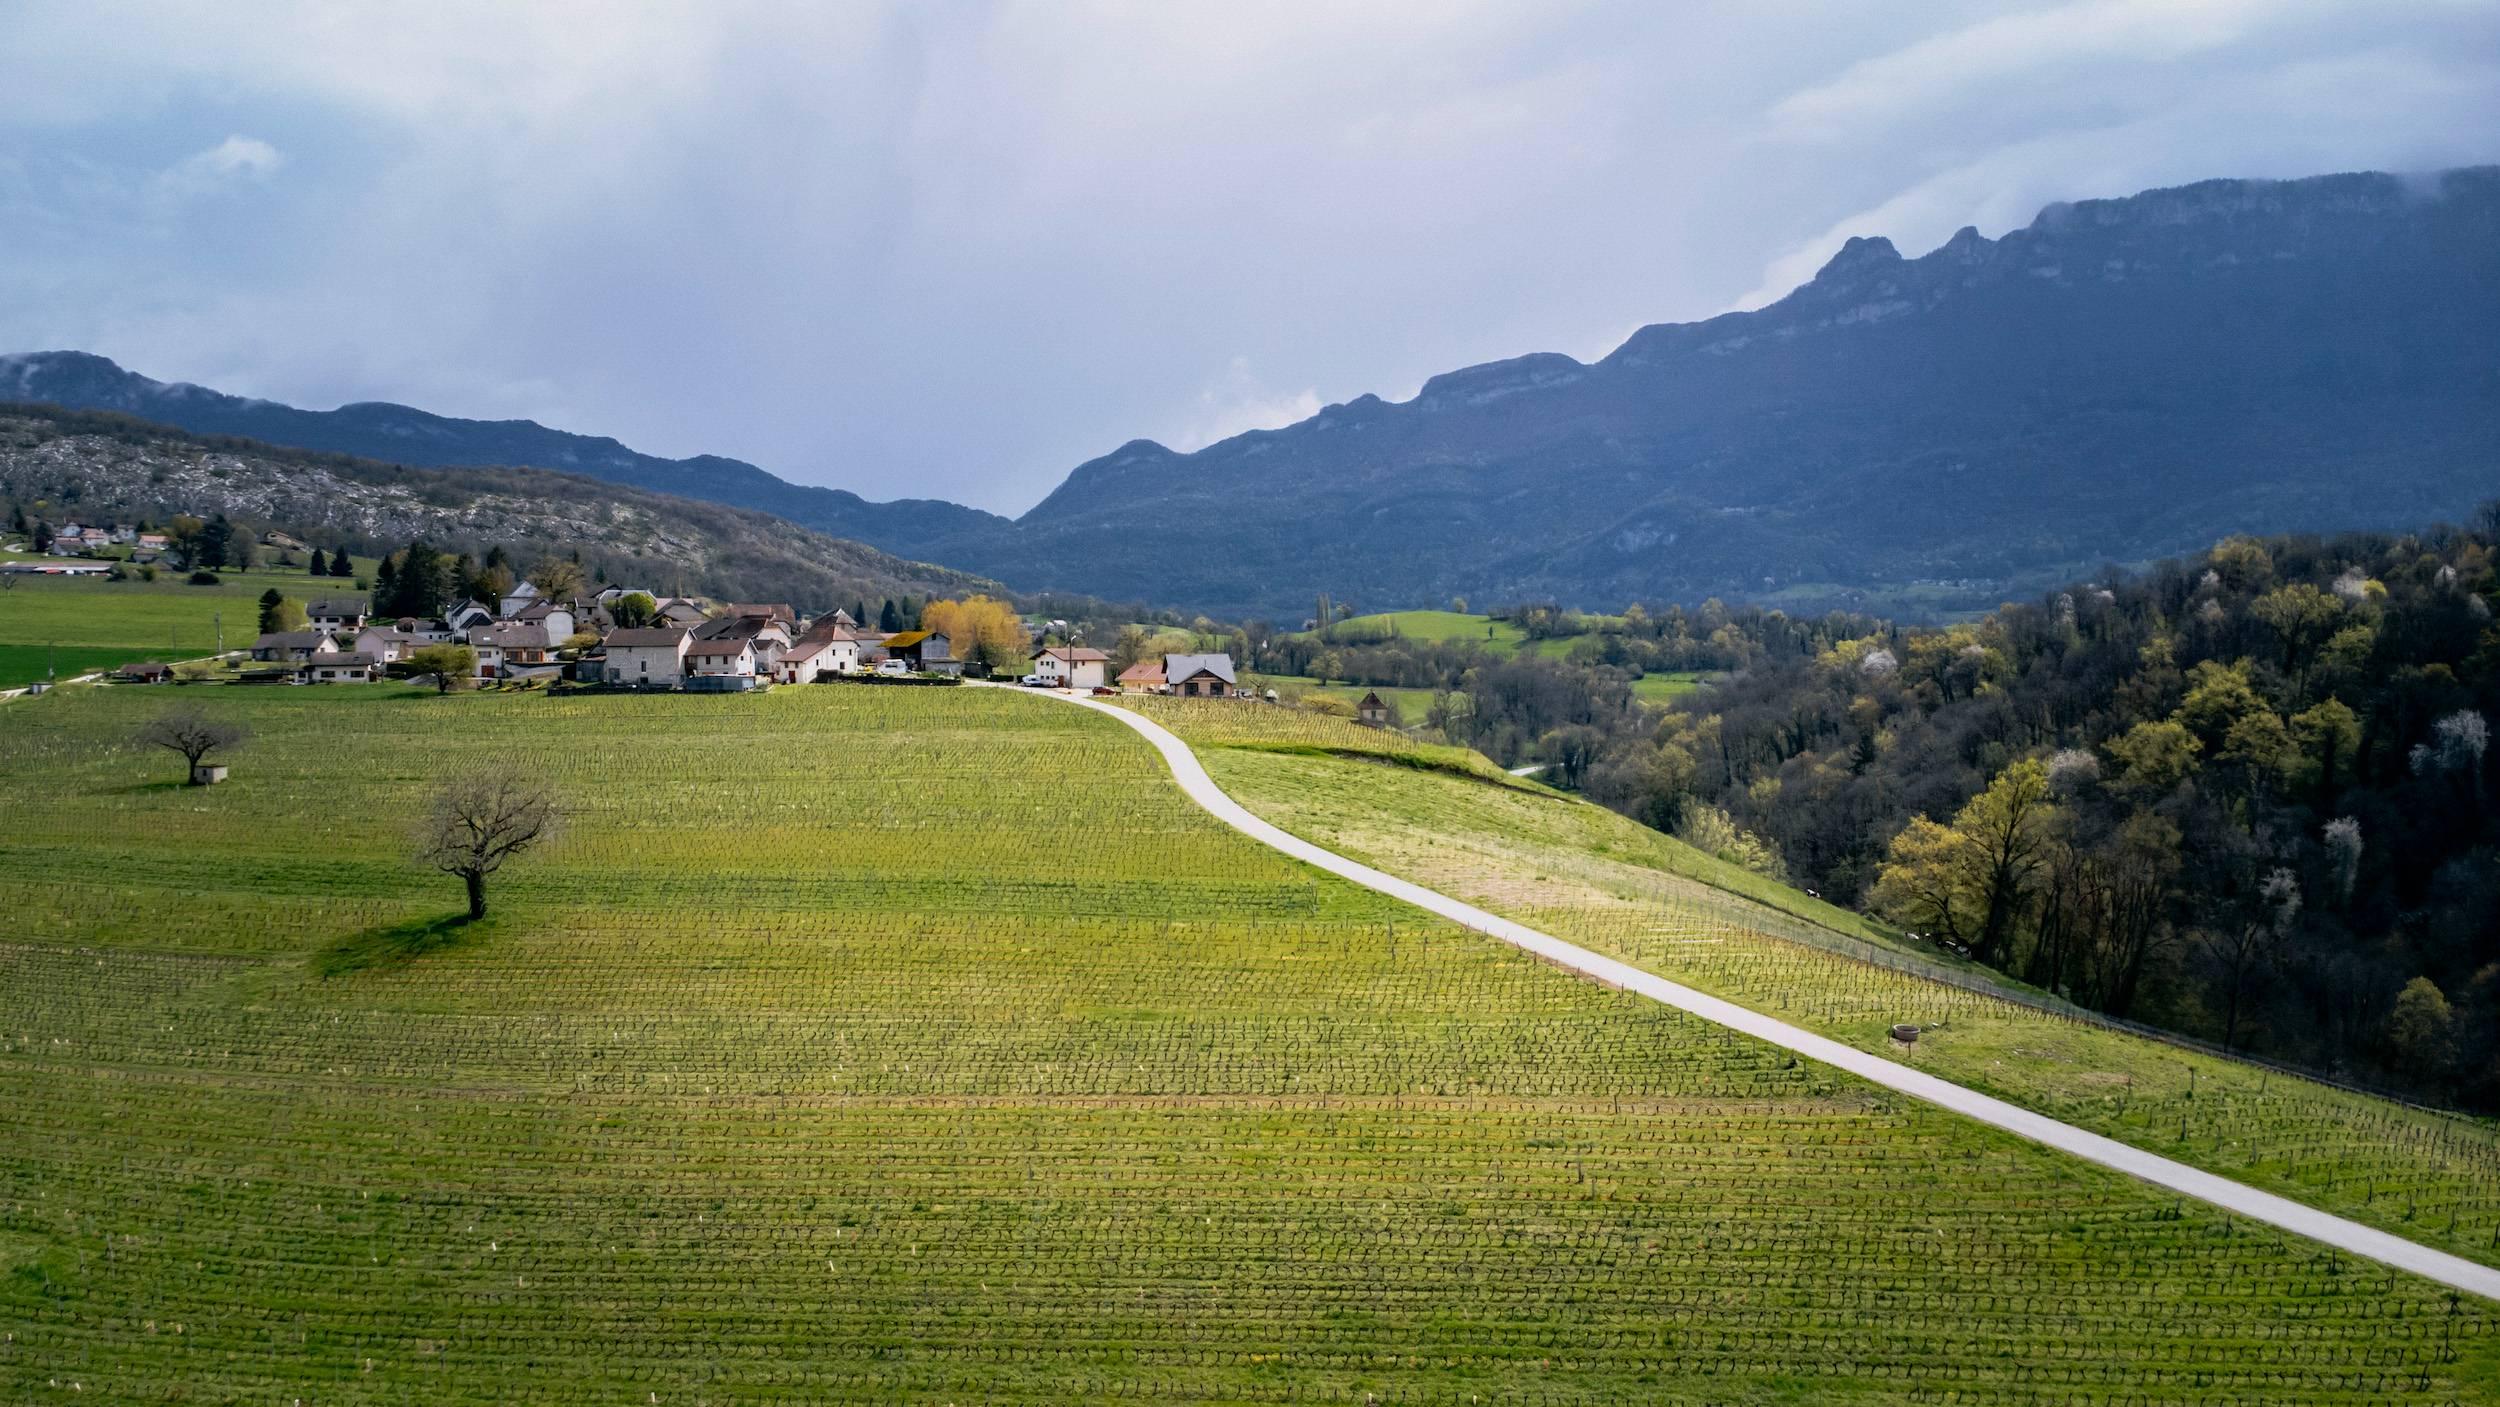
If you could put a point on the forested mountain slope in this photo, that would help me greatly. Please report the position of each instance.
(69, 466)
(2248, 794)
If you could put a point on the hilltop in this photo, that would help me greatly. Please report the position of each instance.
(2119, 380)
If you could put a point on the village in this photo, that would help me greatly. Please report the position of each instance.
(675, 643)
(607, 637)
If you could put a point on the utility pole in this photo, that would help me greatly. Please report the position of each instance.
(221, 632)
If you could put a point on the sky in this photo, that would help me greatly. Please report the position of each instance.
(955, 249)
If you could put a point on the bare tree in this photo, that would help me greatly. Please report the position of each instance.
(479, 822)
(189, 731)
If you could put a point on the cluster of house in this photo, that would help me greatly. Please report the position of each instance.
(524, 636)
(1188, 676)
(517, 636)
(87, 539)
(749, 644)
(684, 646)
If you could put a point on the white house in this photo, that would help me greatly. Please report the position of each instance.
(728, 654)
(1071, 667)
(654, 656)
(556, 620)
(468, 616)
(844, 651)
(520, 598)
(843, 648)
(340, 615)
(342, 669)
(508, 645)
(293, 646)
(802, 662)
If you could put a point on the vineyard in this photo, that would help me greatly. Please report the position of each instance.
(1582, 873)
(928, 1046)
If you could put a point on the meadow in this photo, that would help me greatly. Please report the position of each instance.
(1585, 874)
(927, 1046)
(73, 625)
(1499, 637)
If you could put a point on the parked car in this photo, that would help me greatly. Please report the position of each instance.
(1102, 689)
(1031, 681)
(893, 668)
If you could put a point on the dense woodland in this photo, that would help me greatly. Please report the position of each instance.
(2248, 795)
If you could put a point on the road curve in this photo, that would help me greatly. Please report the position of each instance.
(2236, 1198)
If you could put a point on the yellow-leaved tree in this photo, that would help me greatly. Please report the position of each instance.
(979, 627)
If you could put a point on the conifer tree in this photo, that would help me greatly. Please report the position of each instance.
(320, 564)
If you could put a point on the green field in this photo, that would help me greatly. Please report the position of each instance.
(1583, 873)
(1662, 689)
(928, 1046)
(85, 623)
(1497, 635)
(1410, 704)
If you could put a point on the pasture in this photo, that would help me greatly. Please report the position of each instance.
(1585, 874)
(78, 624)
(927, 1046)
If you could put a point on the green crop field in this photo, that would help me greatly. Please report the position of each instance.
(927, 1046)
(85, 623)
(1583, 873)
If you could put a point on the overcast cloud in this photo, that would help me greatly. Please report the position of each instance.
(954, 250)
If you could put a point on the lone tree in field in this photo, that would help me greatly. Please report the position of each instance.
(449, 666)
(479, 822)
(193, 734)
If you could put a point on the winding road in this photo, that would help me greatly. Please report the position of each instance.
(2236, 1198)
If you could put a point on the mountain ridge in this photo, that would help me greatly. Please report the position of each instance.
(107, 464)
(2120, 379)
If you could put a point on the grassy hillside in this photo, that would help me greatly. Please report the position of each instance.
(77, 624)
(1586, 874)
(1499, 636)
(927, 1046)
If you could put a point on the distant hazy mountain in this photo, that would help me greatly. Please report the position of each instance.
(2120, 380)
